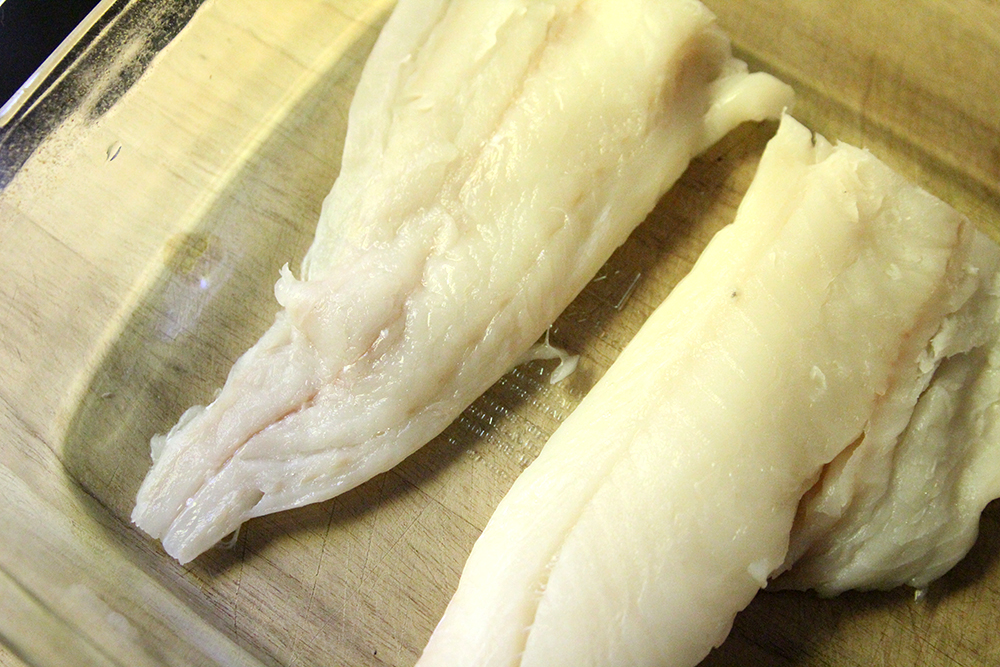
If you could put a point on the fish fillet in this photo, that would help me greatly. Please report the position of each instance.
(825, 315)
(496, 154)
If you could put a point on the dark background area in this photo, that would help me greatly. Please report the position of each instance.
(29, 31)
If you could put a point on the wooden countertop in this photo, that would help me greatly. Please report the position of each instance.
(139, 243)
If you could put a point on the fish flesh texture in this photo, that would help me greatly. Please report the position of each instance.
(843, 304)
(901, 505)
(496, 154)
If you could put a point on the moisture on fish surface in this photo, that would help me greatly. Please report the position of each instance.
(825, 377)
(496, 154)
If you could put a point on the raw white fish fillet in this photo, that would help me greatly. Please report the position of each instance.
(497, 153)
(663, 504)
(901, 506)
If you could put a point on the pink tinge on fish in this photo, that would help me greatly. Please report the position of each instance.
(496, 155)
(817, 399)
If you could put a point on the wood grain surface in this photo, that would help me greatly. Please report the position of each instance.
(139, 244)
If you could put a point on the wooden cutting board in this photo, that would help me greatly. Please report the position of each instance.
(143, 220)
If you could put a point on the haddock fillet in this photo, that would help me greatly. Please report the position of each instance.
(842, 329)
(496, 154)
